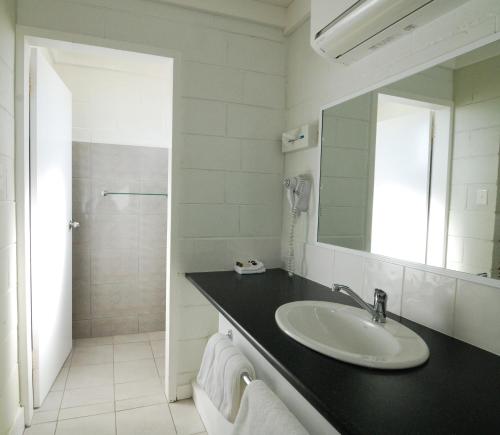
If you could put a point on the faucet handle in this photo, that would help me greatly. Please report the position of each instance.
(380, 304)
(379, 295)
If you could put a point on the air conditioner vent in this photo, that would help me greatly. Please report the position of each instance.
(347, 30)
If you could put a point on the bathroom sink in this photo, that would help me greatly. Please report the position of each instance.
(349, 334)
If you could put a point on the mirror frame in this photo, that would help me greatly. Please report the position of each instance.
(491, 282)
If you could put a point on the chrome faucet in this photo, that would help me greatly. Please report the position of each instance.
(378, 310)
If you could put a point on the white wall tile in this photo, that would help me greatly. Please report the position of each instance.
(206, 324)
(212, 82)
(387, 277)
(189, 295)
(477, 311)
(254, 123)
(190, 353)
(261, 156)
(264, 90)
(265, 249)
(256, 54)
(259, 220)
(318, 263)
(200, 220)
(348, 269)
(6, 133)
(204, 117)
(6, 88)
(429, 299)
(211, 152)
(204, 255)
(202, 187)
(251, 188)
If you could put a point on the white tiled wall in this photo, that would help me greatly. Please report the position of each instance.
(10, 413)
(120, 106)
(441, 301)
(233, 93)
(119, 264)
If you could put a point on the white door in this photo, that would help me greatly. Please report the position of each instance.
(401, 185)
(51, 269)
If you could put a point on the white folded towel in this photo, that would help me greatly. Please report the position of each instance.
(263, 413)
(220, 374)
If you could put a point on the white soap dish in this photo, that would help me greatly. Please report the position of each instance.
(249, 267)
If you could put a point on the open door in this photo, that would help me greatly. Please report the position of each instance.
(401, 181)
(51, 224)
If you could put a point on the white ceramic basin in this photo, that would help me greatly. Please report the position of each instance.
(348, 334)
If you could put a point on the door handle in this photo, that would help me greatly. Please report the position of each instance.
(73, 224)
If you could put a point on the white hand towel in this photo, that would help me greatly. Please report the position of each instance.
(209, 356)
(220, 374)
(263, 413)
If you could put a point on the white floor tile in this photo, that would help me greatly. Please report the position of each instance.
(157, 335)
(95, 341)
(85, 355)
(130, 390)
(88, 396)
(41, 429)
(139, 402)
(98, 424)
(67, 363)
(60, 382)
(186, 418)
(130, 338)
(151, 420)
(52, 402)
(130, 371)
(158, 347)
(132, 351)
(44, 417)
(89, 376)
(84, 411)
(160, 365)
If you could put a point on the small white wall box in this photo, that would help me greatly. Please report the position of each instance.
(300, 138)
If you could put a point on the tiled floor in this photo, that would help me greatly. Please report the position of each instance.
(114, 386)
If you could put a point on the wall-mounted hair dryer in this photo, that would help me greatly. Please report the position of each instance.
(298, 191)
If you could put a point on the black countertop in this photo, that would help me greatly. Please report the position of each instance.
(456, 392)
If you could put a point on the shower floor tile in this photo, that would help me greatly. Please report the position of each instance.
(114, 385)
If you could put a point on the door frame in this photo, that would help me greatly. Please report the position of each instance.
(25, 38)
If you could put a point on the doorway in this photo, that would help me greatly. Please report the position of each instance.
(410, 186)
(133, 310)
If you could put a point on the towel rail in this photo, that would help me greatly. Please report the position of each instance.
(106, 193)
(245, 377)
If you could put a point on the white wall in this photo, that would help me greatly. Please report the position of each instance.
(313, 82)
(120, 107)
(11, 417)
(233, 93)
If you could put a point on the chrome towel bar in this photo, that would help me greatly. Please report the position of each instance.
(245, 377)
(106, 193)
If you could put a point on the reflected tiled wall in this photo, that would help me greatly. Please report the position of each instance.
(119, 249)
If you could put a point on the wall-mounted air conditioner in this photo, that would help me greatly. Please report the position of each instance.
(347, 30)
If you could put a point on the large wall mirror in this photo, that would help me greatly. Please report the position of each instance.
(411, 170)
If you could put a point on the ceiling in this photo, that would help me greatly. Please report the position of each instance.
(282, 3)
(284, 14)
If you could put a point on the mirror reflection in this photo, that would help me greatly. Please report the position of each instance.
(410, 170)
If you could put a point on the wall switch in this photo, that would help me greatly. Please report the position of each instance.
(481, 197)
